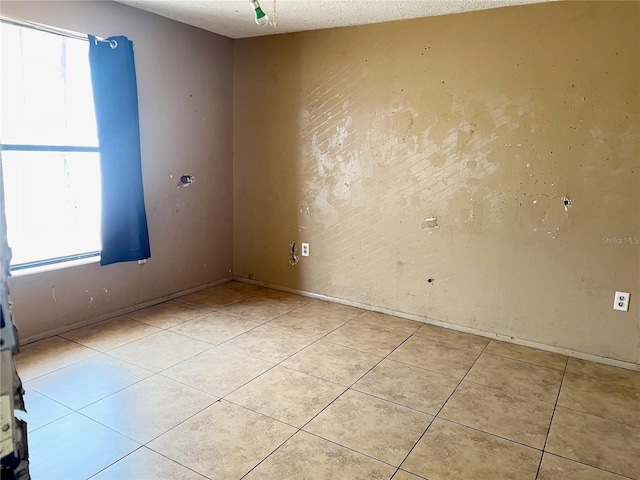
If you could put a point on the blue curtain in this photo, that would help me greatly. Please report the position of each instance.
(125, 235)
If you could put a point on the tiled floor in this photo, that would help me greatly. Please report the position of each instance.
(238, 381)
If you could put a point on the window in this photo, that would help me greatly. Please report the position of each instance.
(50, 151)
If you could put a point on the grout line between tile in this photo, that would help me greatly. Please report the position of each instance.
(150, 449)
(270, 453)
(555, 406)
(587, 465)
(299, 429)
(440, 410)
(102, 398)
(528, 363)
(490, 433)
(207, 312)
(113, 463)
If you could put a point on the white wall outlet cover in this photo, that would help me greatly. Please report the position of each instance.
(621, 301)
(305, 249)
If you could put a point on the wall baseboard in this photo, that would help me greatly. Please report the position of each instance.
(505, 338)
(318, 296)
(117, 313)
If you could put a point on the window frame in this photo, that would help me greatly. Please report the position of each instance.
(48, 263)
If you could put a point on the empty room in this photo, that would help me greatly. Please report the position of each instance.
(331, 239)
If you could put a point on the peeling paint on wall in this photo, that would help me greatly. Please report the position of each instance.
(430, 222)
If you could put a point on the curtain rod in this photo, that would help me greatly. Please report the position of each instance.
(54, 30)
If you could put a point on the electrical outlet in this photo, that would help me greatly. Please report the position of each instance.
(305, 249)
(621, 302)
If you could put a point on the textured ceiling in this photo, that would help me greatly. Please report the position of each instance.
(234, 18)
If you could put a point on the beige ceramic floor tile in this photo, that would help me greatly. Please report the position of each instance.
(367, 338)
(614, 401)
(286, 395)
(149, 408)
(283, 297)
(46, 356)
(375, 427)
(218, 371)
(604, 373)
(453, 337)
(214, 298)
(388, 321)
(74, 447)
(453, 452)
(111, 333)
(504, 414)
(315, 327)
(241, 287)
(167, 314)
(160, 351)
(527, 354)
(556, 468)
(258, 309)
(83, 383)
(306, 456)
(407, 385)
(436, 356)
(316, 318)
(215, 327)
(402, 475)
(145, 464)
(600, 425)
(521, 378)
(317, 308)
(269, 343)
(224, 441)
(331, 362)
(41, 410)
(595, 441)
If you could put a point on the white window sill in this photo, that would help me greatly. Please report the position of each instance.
(55, 266)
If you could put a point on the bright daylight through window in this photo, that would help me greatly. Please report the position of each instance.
(50, 159)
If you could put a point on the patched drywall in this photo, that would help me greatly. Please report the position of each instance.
(185, 97)
(493, 153)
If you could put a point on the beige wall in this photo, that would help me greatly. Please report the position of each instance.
(185, 96)
(349, 138)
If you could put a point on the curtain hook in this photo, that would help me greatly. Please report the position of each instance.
(113, 44)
